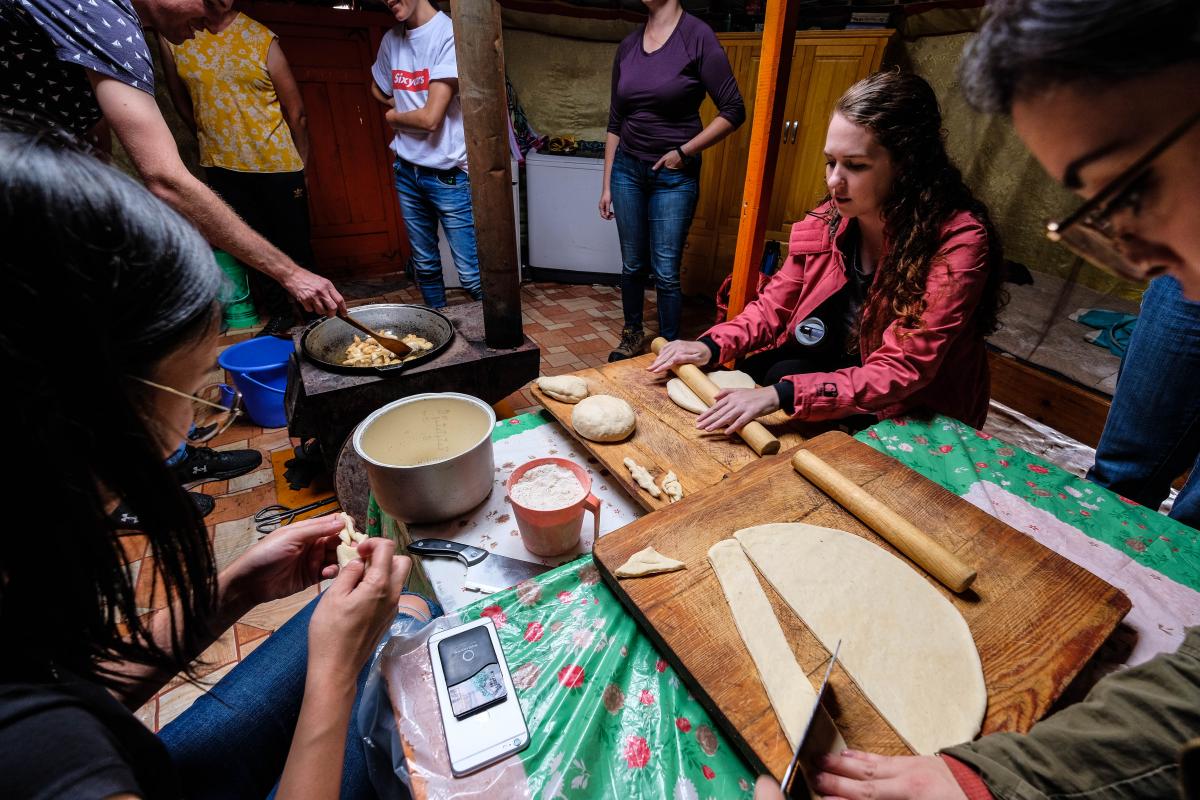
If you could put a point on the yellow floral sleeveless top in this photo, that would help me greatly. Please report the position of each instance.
(239, 122)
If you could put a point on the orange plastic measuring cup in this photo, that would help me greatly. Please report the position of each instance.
(554, 531)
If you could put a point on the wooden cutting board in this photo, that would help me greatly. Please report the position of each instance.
(666, 438)
(1036, 617)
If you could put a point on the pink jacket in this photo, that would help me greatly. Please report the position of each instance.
(940, 366)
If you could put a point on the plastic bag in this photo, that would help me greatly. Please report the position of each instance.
(607, 716)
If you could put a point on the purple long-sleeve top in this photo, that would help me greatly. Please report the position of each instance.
(656, 96)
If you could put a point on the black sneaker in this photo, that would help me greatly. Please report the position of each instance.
(280, 326)
(124, 519)
(203, 464)
(629, 346)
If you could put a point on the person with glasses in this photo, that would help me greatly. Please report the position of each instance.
(1104, 93)
(92, 416)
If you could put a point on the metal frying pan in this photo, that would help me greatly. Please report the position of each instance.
(325, 341)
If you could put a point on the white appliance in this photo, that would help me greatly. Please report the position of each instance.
(565, 229)
(449, 272)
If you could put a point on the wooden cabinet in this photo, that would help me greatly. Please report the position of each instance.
(824, 65)
(357, 229)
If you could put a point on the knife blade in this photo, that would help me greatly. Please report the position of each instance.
(786, 783)
(487, 573)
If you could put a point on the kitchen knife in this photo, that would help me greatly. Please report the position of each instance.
(786, 783)
(487, 573)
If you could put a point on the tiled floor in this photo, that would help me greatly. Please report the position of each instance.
(575, 326)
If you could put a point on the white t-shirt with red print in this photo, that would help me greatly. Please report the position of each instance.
(409, 58)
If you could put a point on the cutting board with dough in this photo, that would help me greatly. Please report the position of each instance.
(666, 438)
(1036, 617)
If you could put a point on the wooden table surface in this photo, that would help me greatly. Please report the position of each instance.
(666, 438)
(1036, 617)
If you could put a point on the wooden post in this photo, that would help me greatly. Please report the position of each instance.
(774, 67)
(480, 51)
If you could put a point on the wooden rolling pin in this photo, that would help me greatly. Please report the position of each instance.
(902, 534)
(758, 437)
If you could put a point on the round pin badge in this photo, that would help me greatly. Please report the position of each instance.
(810, 332)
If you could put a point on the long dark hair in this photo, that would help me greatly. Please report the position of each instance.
(1028, 46)
(88, 251)
(902, 111)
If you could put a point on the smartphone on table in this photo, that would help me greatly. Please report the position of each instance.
(481, 715)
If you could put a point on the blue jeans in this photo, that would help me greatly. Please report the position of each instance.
(1152, 434)
(427, 196)
(653, 211)
(234, 740)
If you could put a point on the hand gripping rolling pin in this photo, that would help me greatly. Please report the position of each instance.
(899, 532)
(754, 433)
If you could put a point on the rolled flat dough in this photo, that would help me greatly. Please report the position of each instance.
(603, 418)
(567, 388)
(682, 396)
(648, 562)
(905, 645)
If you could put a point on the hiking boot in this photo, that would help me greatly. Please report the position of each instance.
(124, 519)
(280, 326)
(202, 464)
(630, 345)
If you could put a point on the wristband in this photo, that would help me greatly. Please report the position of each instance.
(682, 155)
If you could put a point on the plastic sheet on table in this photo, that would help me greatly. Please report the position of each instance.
(607, 716)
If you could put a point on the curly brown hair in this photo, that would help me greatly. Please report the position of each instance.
(902, 111)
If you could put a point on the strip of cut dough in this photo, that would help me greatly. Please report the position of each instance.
(648, 562)
(906, 646)
(347, 549)
(789, 690)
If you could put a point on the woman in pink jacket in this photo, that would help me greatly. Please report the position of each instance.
(890, 285)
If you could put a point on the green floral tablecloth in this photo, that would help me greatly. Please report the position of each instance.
(608, 716)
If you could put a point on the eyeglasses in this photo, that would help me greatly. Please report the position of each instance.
(1089, 231)
(214, 408)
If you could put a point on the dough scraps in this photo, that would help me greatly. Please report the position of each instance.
(682, 395)
(672, 486)
(642, 476)
(648, 562)
(603, 418)
(791, 693)
(906, 646)
(565, 388)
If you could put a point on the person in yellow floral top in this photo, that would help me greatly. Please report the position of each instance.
(233, 87)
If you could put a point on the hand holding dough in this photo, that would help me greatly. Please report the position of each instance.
(648, 562)
(347, 550)
(682, 395)
(565, 388)
(643, 477)
(672, 486)
(603, 418)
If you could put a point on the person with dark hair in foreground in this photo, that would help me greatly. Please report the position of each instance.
(1103, 92)
(86, 244)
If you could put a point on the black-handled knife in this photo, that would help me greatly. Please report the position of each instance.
(487, 573)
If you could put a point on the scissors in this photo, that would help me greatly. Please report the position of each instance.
(276, 516)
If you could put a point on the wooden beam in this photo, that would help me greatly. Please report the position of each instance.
(770, 96)
(480, 51)
(1068, 408)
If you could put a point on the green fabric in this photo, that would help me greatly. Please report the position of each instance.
(1122, 741)
(609, 716)
(519, 424)
(959, 457)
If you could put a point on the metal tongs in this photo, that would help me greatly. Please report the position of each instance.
(393, 345)
(786, 783)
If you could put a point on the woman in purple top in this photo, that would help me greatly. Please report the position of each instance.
(652, 154)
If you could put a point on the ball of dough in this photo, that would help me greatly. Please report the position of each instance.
(682, 396)
(566, 388)
(603, 418)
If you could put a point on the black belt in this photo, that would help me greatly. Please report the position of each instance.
(447, 174)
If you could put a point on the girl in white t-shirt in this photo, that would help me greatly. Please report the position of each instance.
(416, 76)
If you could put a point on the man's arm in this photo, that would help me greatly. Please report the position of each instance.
(382, 96)
(181, 98)
(429, 117)
(139, 125)
(290, 100)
